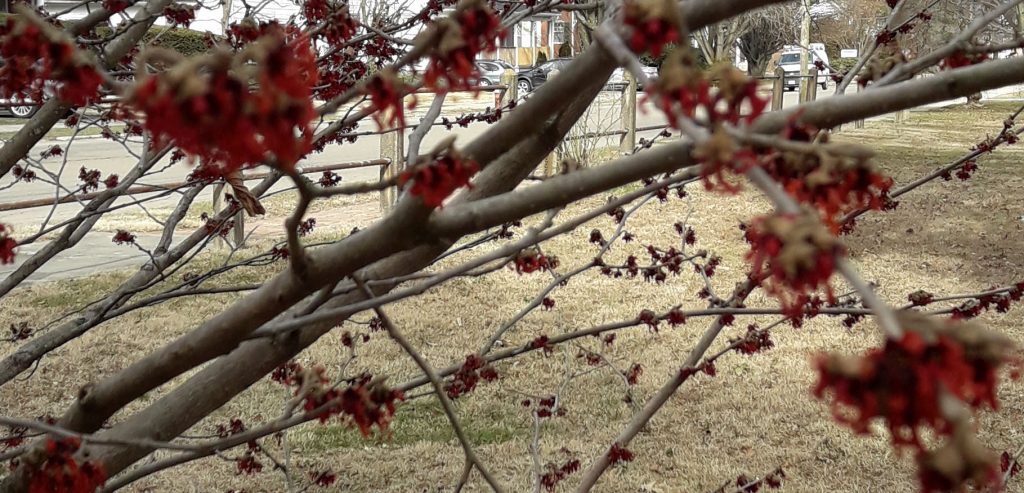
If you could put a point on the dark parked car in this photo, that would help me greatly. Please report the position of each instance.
(533, 77)
(491, 71)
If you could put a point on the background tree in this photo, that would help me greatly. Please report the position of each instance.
(770, 30)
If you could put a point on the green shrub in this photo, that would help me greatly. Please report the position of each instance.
(843, 64)
(184, 41)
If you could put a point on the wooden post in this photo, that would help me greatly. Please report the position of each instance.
(238, 230)
(392, 147)
(551, 163)
(778, 88)
(857, 123)
(508, 79)
(812, 86)
(628, 142)
(218, 194)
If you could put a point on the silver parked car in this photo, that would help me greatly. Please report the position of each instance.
(491, 71)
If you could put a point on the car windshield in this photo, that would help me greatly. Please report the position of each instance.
(789, 58)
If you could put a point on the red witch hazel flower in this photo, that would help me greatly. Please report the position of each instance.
(909, 382)
(531, 260)
(386, 92)
(472, 29)
(799, 255)
(834, 179)
(961, 59)
(180, 15)
(7, 245)
(469, 375)
(439, 174)
(34, 52)
(332, 18)
(655, 23)
(55, 469)
(682, 88)
(719, 156)
(236, 110)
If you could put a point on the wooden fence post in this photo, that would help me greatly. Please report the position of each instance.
(857, 123)
(392, 147)
(508, 79)
(238, 230)
(778, 88)
(812, 86)
(218, 193)
(628, 142)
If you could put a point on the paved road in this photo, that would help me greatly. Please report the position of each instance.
(96, 252)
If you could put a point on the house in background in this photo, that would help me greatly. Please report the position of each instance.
(544, 33)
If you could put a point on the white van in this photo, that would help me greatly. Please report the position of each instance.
(790, 63)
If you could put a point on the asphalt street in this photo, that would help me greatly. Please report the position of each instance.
(95, 252)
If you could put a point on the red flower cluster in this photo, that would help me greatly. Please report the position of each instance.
(248, 464)
(22, 174)
(306, 227)
(1001, 301)
(365, 403)
(555, 473)
(753, 342)
(681, 88)
(33, 53)
(543, 343)
(618, 454)
(546, 407)
(654, 24)
(21, 331)
(961, 59)
(798, 254)
(122, 237)
(58, 471)
(180, 15)
(903, 383)
(7, 245)
(214, 227)
(338, 26)
(208, 109)
(472, 29)
(116, 6)
(834, 180)
(434, 179)
(530, 260)
(387, 92)
(329, 179)
(469, 375)
(633, 374)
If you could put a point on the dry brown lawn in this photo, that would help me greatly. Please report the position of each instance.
(756, 415)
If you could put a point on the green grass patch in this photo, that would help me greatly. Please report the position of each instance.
(414, 422)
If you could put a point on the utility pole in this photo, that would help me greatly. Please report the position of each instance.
(805, 43)
(1020, 22)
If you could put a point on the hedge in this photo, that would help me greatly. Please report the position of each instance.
(184, 41)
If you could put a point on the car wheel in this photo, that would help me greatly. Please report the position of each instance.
(485, 82)
(824, 86)
(23, 111)
(524, 86)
